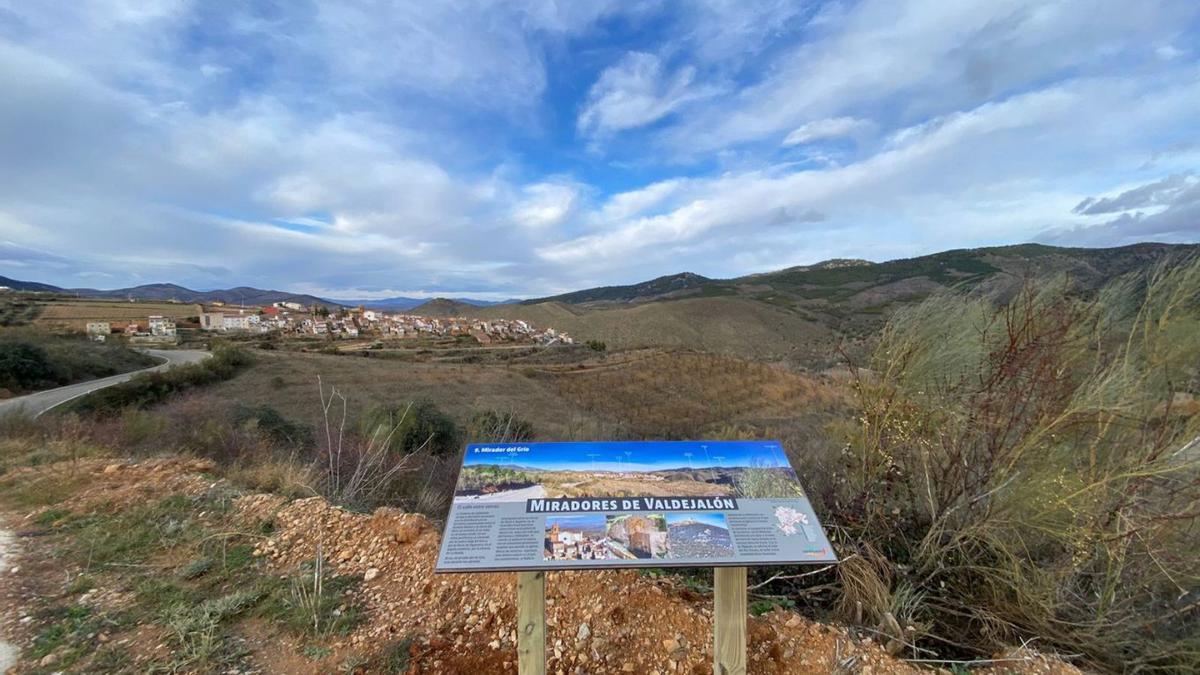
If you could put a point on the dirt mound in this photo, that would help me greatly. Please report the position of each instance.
(598, 622)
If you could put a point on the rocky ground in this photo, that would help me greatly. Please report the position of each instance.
(598, 622)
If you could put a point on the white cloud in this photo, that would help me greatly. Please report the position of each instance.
(637, 91)
(984, 176)
(363, 145)
(923, 58)
(546, 205)
(824, 129)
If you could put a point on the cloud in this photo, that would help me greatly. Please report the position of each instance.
(546, 204)
(922, 59)
(980, 176)
(635, 92)
(828, 128)
(1173, 215)
(1158, 193)
(362, 144)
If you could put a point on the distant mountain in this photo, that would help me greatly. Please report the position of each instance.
(862, 283)
(808, 315)
(402, 304)
(232, 296)
(443, 307)
(239, 295)
(655, 289)
(18, 285)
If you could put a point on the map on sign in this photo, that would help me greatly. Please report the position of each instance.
(532, 506)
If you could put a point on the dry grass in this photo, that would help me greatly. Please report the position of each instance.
(1024, 473)
(287, 382)
(724, 325)
(675, 394)
(76, 313)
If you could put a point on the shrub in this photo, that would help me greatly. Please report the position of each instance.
(24, 366)
(272, 424)
(597, 346)
(1024, 472)
(417, 425)
(493, 426)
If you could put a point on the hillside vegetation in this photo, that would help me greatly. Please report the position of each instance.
(722, 325)
(31, 360)
(806, 315)
(1032, 471)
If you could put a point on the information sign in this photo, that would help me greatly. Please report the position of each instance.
(550, 506)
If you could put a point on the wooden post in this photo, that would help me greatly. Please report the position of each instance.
(729, 621)
(531, 623)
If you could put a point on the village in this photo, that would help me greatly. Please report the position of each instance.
(291, 319)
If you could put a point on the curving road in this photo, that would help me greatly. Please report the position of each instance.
(41, 401)
(531, 492)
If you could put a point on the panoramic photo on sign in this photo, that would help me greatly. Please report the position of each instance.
(528, 506)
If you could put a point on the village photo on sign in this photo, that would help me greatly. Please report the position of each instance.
(604, 504)
(667, 469)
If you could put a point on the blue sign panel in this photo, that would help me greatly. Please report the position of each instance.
(531, 506)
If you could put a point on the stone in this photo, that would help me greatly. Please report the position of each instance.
(112, 468)
(370, 574)
(584, 632)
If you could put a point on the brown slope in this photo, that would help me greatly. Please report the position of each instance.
(723, 325)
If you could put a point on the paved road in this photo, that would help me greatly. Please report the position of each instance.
(39, 402)
(531, 492)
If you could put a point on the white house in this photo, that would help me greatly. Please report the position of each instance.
(162, 326)
(236, 322)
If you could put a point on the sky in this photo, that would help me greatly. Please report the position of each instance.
(631, 455)
(518, 148)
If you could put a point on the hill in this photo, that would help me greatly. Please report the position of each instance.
(802, 314)
(442, 307)
(175, 293)
(862, 283)
(18, 285)
(403, 304)
(662, 287)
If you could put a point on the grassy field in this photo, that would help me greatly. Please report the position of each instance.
(18, 309)
(76, 313)
(288, 383)
(677, 394)
(722, 325)
(643, 394)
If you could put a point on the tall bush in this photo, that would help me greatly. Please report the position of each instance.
(1031, 472)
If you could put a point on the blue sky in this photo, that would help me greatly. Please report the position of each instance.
(642, 455)
(713, 519)
(366, 148)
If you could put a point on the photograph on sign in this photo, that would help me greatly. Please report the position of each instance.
(521, 506)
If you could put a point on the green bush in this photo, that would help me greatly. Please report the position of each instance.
(32, 359)
(24, 366)
(596, 345)
(493, 426)
(418, 424)
(270, 422)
